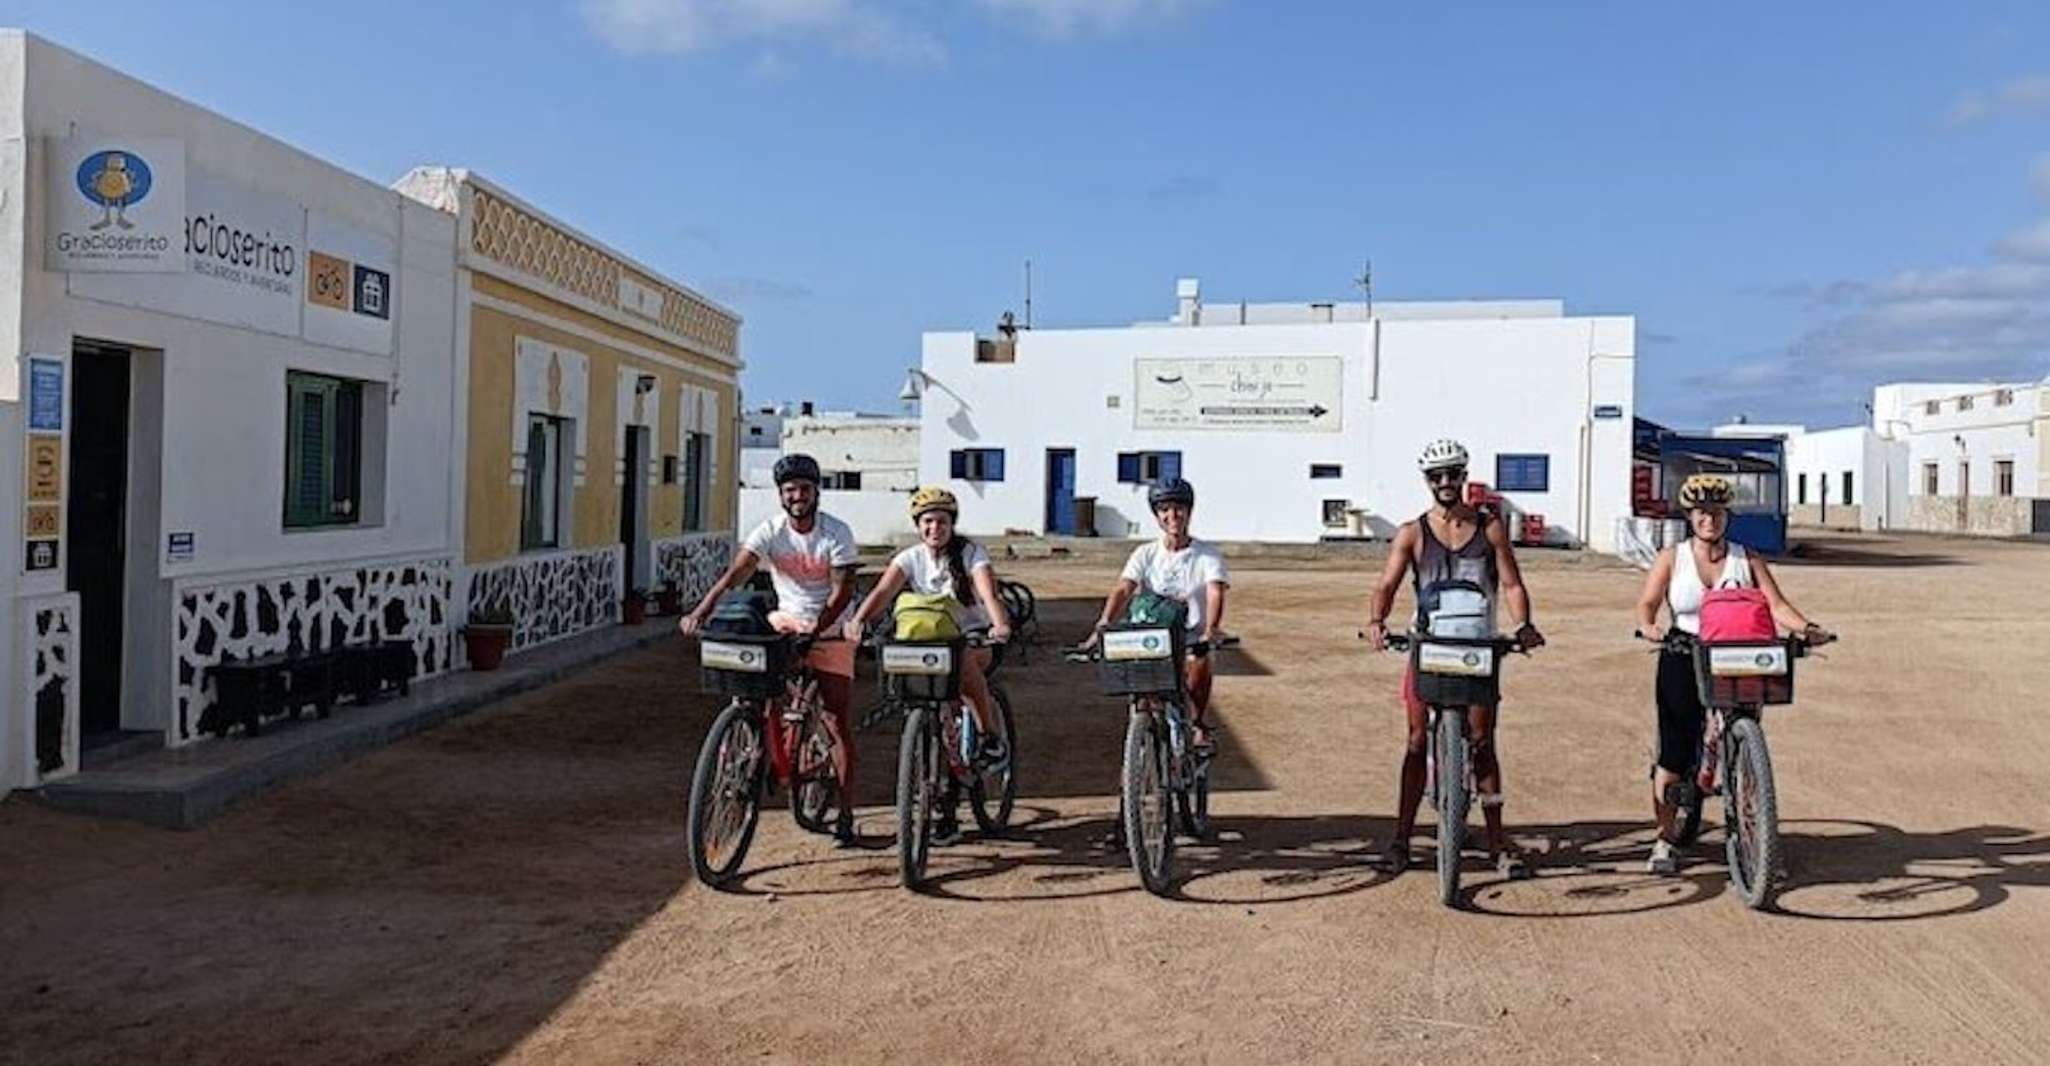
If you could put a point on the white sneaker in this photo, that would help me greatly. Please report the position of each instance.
(1663, 860)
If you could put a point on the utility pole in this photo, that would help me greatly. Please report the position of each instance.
(1028, 294)
(1365, 282)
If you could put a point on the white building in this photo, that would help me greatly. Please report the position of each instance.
(1284, 416)
(222, 359)
(1977, 455)
(870, 463)
(1849, 478)
(1938, 458)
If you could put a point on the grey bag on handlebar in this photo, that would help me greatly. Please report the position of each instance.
(1458, 609)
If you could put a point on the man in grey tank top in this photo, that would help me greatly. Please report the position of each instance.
(1452, 542)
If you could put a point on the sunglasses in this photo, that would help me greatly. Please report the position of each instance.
(1445, 477)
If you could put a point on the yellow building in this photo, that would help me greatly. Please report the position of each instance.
(600, 405)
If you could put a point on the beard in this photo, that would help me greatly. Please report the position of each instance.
(1446, 495)
(800, 509)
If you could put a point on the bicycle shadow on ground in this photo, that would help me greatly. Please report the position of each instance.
(1258, 859)
(1832, 870)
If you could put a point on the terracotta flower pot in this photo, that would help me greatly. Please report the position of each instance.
(634, 610)
(669, 601)
(486, 645)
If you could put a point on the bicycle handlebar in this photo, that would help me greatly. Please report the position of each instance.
(1081, 653)
(1679, 640)
(1403, 641)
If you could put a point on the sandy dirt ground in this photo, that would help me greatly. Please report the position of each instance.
(514, 886)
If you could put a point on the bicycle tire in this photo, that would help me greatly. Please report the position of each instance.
(1689, 829)
(1143, 787)
(1452, 801)
(1754, 835)
(994, 819)
(737, 722)
(814, 801)
(918, 771)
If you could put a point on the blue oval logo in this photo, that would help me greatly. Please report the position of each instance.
(115, 178)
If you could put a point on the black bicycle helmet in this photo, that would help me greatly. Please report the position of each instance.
(798, 467)
(1171, 490)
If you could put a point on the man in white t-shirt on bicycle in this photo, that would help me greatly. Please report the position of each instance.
(1179, 567)
(811, 558)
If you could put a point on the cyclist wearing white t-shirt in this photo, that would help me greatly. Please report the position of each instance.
(943, 563)
(811, 558)
(1179, 567)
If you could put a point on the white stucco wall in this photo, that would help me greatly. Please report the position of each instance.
(1516, 385)
(208, 413)
(1879, 470)
(884, 451)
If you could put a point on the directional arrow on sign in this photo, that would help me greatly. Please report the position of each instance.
(1318, 411)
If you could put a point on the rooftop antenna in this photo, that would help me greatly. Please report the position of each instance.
(1028, 294)
(1365, 282)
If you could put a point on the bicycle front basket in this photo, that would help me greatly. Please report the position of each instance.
(923, 670)
(1142, 660)
(1748, 674)
(752, 666)
(1451, 672)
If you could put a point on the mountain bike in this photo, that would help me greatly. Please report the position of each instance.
(1737, 681)
(1165, 780)
(938, 751)
(1452, 675)
(774, 709)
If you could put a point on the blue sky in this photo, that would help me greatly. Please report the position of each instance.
(1797, 201)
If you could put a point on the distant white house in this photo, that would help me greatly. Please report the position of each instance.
(870, 463)
(1285, 416)
(1937, 457)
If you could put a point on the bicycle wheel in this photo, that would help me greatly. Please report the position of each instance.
(995, 789)
(725, 793)
(919, 771)
(1750, 813)
(1148, 803)
(1689, 814)
(1192, 802)
(814, 788)
(1452, 801)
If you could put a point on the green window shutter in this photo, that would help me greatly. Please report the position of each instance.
(532, 533)
(309, 449)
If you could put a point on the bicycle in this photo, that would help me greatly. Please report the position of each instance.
(774, 707)
(1164, 780)
(1737, 681)
(1452, 674)
(937, 750)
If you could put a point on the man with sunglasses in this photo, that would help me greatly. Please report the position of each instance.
(1452, 542)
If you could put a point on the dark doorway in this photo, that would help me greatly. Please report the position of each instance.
(1060, 491)
(96, 529)
(632, 492)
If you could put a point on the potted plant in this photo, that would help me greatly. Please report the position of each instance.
(670, 600)
(634, 610)
(486, 637)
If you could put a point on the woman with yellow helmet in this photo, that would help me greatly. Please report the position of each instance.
(1680, 581)
(946, 566)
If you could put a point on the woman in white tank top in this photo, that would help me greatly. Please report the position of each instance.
(1678, 582)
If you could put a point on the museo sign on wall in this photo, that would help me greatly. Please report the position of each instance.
(1287, 393)
(116, 204)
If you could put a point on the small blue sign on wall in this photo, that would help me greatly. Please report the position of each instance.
(45, 395)
(180, 547)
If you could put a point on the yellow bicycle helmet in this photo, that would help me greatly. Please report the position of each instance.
(1705, 490)
(934, 498)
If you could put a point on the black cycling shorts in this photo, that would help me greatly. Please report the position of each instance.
(1681, 716)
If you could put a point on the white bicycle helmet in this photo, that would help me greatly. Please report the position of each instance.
(1442, 455)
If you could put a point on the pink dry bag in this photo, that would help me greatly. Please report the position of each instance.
(1736, 616)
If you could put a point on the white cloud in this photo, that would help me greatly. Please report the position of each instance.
(1083, 18)
(2023, 95)
(679, 27)
(2030, 242)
